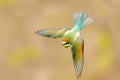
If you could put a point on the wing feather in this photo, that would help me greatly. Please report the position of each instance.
(52, 33)
(77, 53)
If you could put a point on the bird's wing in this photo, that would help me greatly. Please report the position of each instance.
(53, 33)
(77, 54)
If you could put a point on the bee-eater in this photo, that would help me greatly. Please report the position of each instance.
(71, 37)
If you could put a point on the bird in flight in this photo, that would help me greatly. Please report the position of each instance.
(71, 38)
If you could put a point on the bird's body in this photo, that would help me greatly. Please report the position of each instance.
(71, 34)
(71, 37)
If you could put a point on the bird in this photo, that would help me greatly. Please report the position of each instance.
(71, 38)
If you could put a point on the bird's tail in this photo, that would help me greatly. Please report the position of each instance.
(81, 20)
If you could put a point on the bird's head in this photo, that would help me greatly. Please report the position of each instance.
(66, 42)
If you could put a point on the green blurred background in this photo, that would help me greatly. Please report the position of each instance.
(27, 56)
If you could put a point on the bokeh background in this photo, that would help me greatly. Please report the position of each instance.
(27, 56)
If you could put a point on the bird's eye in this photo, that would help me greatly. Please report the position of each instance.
(66, 44)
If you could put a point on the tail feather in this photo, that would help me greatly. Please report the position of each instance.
(87, 21)
(81, 20)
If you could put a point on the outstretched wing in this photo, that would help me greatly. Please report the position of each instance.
(77, 53)
(53, 33)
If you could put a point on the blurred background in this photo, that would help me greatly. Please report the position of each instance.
(27, 56)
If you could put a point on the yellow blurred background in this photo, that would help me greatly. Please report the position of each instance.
(27, 56)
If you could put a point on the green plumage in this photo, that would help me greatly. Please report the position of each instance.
(71, 37)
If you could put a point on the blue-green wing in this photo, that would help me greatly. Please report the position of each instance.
(53, 33)
(77, 54)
